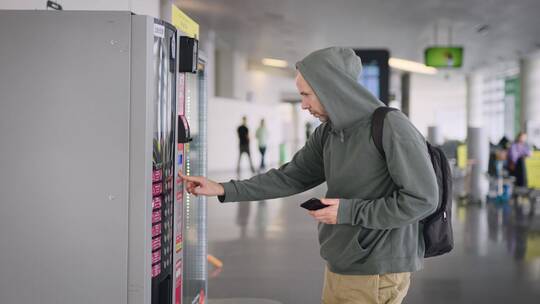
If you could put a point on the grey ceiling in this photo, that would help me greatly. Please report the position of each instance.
(290, 29)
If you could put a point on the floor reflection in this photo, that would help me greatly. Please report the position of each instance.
(270, 251)
(242, 217)
(261, 219)
(517, 223)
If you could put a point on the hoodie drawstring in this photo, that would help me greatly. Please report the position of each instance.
(341, 136)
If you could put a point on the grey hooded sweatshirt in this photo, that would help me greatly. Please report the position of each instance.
(381, 201)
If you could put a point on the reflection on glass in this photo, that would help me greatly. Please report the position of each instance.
(261, 219)
(242, 217)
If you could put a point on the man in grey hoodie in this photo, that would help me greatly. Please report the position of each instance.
(369, 234)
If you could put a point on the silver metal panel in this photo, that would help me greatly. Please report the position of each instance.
(64, 128)
(140, 196)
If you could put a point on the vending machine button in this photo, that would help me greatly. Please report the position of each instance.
(156, 230)
(156, 244)
(156, 175)
(156, 270)
(156, 202)
(156, 217)
(157, 189)
(156, 257)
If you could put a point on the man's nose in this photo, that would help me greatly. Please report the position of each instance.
(304, 105)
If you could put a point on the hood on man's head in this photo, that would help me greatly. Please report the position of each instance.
(333, 75)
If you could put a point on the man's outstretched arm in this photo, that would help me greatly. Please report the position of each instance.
(303, 172)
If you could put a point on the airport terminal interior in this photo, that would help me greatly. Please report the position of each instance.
(108, 107)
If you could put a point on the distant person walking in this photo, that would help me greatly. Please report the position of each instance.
(519, 150)
(262, 139)
(243, 140)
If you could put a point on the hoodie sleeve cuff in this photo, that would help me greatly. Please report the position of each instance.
(345, 211)
(230, 193)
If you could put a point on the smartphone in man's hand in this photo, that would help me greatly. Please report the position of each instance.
(313, 204)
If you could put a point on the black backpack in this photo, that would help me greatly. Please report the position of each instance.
(437, 227)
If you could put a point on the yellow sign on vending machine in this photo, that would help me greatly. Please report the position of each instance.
(185, 24)
(533, 170)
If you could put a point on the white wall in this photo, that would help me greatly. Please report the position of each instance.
(224, 114)
(231, 72)
(268, 89)
(241, 76)
(439, 101)
(142, 7)
(224, 117)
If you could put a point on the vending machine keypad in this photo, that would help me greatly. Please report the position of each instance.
(162, 216)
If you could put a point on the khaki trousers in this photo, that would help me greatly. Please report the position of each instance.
(390, 288)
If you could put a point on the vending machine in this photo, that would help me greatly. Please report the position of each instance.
(98, 114)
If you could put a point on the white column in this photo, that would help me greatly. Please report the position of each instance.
(146, 7)
(530, 97)
(224, 80)
(474, 100)
(165, 10)
(208, 46)
(477, 141)
(435, 135)
(231, 73)
(240, 75)
(406, 93)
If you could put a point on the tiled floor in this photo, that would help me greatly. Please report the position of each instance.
(270, 255)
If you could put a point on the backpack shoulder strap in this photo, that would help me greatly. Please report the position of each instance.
(377, 124)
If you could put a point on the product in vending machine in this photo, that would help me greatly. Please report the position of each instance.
(156, 270)
(157, 189)
(156, 202)
(156, 217)
(156, 175)
(156, 243)
(156, 256)
(156, 230)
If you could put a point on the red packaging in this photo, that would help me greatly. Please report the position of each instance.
(156, 243)
(156, 256)
(156, 175)
(156, 216)
(156, 230)
(156, 202)
(156, 270)
(157, 189)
